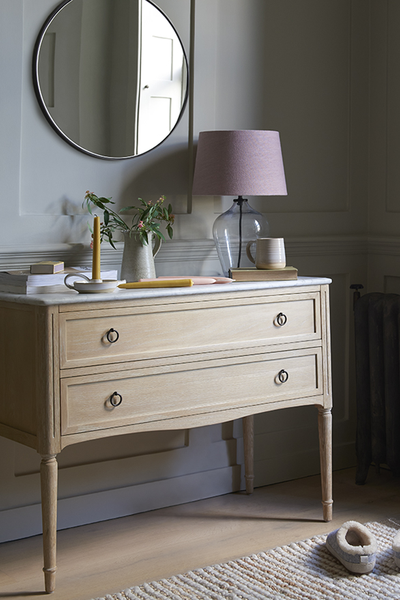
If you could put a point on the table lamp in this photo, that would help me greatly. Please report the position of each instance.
(238, 163)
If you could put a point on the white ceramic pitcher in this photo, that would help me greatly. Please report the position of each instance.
(137, 259)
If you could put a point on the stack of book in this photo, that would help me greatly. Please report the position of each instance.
(25, 282)
(254, 274)
(48, 266)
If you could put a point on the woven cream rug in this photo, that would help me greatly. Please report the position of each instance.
(300, 570)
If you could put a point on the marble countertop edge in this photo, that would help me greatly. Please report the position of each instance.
(72, 297)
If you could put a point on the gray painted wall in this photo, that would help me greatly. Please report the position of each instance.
(323, 73)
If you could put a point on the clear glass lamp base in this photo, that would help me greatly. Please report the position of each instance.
(233, 230)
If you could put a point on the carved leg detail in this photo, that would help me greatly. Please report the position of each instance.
(325, 451)
(248, 439)
(48, 481)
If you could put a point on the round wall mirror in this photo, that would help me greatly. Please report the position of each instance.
(111, 76)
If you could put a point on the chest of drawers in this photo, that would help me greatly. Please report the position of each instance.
(81, 367)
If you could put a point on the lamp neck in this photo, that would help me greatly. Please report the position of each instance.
(240, 200)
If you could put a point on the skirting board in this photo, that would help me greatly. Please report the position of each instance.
(111, 504)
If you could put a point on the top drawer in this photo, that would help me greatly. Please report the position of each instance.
(96, 337)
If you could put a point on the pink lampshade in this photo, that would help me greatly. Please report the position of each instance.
(239, 163)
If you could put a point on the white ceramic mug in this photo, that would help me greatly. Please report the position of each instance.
(270, 253)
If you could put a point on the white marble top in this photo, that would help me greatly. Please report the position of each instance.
(72, 297)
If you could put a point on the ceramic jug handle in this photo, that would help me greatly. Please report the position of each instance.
(157, 245)
(248, 250)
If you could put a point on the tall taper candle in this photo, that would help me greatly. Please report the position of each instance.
(96, 249)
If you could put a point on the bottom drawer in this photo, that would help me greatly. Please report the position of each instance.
(183, 390)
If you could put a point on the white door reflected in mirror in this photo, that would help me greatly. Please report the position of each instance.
(162, 79)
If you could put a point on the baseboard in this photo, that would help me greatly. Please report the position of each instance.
(26, 521)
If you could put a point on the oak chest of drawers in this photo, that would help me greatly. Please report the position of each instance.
(81, 367)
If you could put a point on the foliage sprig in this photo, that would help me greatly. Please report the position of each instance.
(146, 219)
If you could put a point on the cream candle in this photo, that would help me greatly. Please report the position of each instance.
(96, 250)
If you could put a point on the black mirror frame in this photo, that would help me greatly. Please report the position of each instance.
(42, 104)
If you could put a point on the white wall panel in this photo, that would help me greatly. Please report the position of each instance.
(305, 73)
(384, 200)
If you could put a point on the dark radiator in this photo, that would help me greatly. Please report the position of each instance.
(377, 324)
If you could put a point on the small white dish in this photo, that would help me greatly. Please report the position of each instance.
(224, 280)
(90, 286)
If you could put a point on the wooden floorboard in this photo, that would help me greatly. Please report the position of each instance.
(107, 557)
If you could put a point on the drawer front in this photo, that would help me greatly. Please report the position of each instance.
(111, 336)
(87, 402)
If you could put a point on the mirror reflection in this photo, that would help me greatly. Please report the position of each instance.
(111, 76)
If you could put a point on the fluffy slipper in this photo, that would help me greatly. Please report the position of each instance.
(355, 546)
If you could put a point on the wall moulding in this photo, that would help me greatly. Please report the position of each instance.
(327, 245)
(194, 252)
(387, 245)
(177, 252)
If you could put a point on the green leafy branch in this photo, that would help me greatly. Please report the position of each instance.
(146, 219)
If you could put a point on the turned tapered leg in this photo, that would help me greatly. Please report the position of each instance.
(248, 440)
(325, 451)
(48, 482)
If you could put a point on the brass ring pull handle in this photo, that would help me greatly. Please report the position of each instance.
(281, 319)
(115, 399)
(112, 335)
(283, 376)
